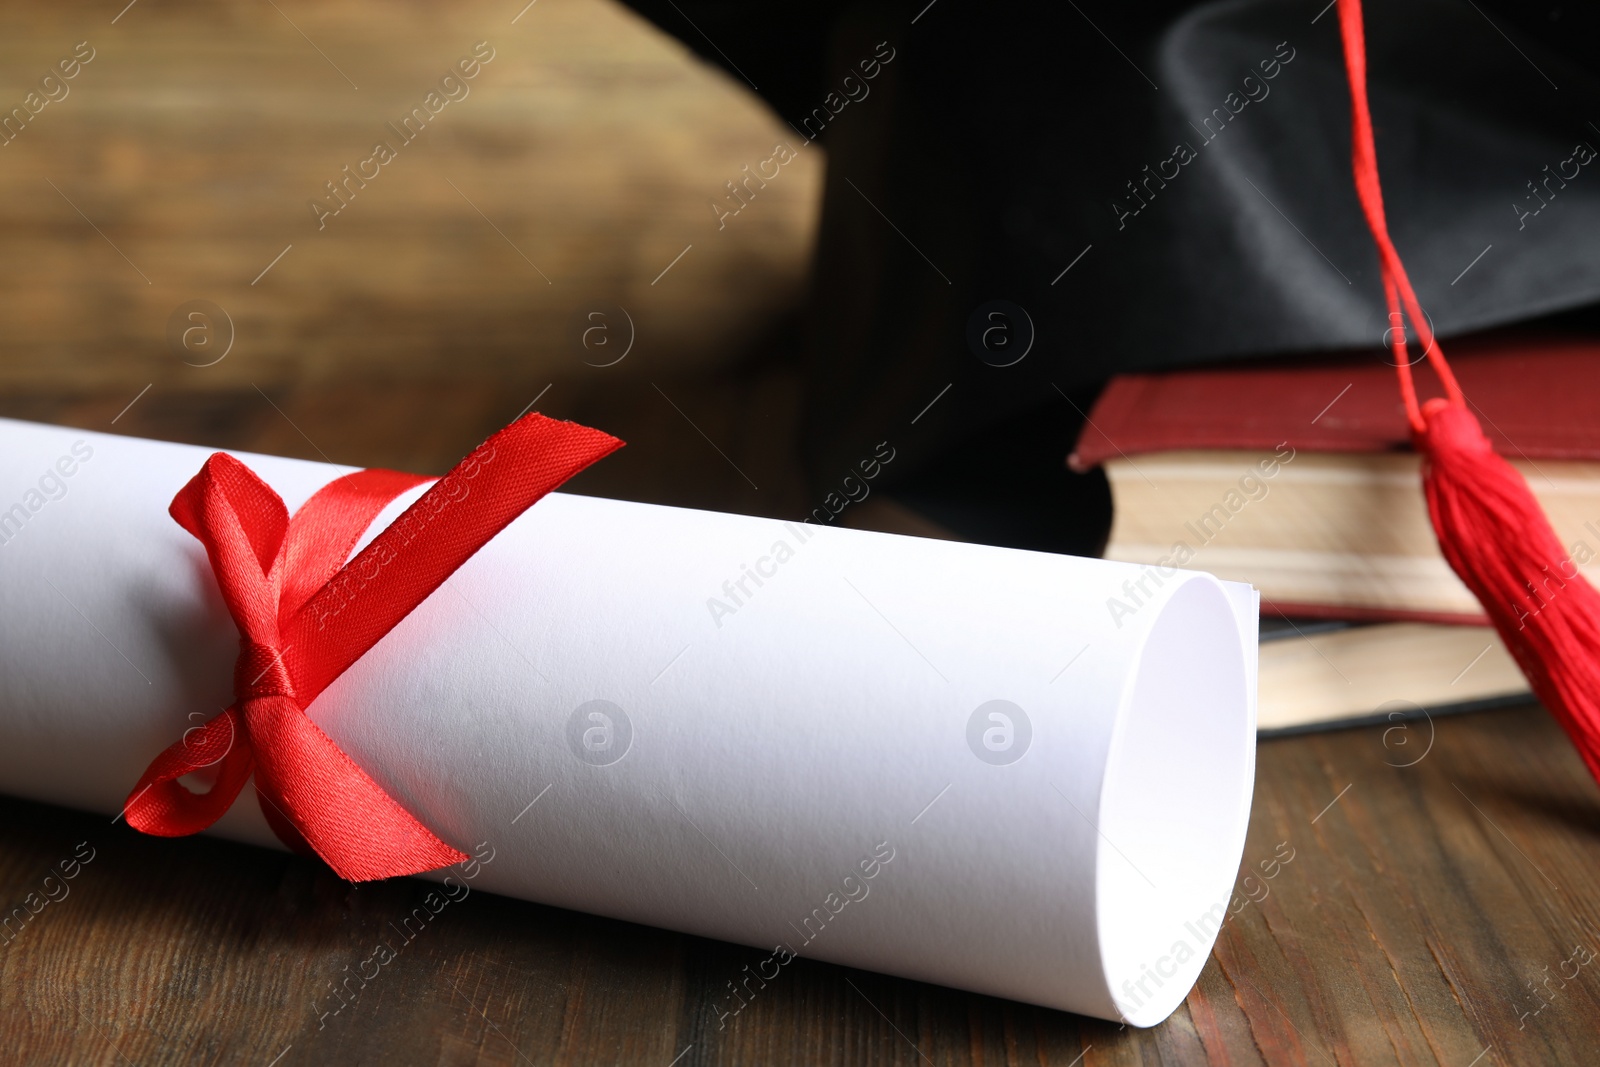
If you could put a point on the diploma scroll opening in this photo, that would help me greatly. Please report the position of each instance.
(1175, 804)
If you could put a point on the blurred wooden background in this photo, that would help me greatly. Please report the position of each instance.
(581, 164)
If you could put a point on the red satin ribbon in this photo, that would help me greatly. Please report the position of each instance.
(303, 619)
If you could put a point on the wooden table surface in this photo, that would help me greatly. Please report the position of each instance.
(1439, 913)
(1441, 905)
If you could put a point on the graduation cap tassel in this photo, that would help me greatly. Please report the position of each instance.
(1490, 528)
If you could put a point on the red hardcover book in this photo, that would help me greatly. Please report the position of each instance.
(1299, 477)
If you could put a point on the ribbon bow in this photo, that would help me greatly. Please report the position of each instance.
(303, 619)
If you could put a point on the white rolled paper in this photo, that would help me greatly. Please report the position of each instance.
(943, 761)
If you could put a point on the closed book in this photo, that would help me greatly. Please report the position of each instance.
(1300, 480)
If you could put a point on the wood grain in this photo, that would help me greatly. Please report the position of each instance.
(1427, 910)
(581, 162)
(1407, 928)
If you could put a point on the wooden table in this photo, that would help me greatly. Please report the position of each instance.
(1443, 875)
(1426, 917)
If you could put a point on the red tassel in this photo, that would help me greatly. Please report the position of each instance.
(1495, 537)
(1490, 528)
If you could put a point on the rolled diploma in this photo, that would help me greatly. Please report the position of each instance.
(809, 758)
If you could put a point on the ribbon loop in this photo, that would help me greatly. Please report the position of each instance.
(304, 619)
(162, 805)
